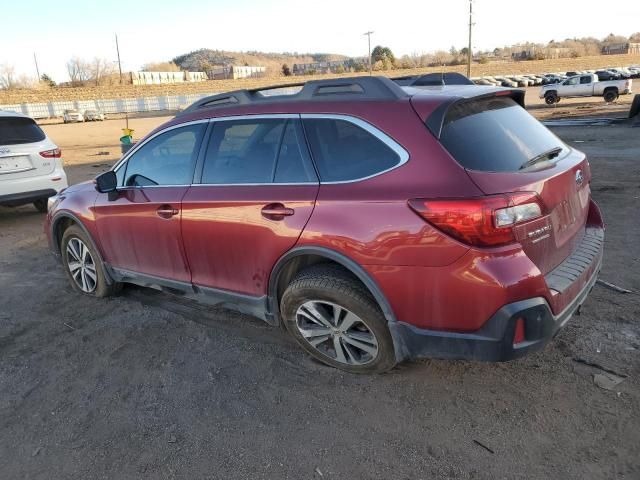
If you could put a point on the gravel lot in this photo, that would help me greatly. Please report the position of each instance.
(145, 385)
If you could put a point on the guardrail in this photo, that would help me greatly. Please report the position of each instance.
(116, 105)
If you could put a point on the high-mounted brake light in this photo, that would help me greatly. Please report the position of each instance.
(483, 221)
(55, 153)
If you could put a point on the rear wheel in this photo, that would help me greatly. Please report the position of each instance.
(550, 98)
(334, 318)
(83, 266)
(41, 205)
(610, 96)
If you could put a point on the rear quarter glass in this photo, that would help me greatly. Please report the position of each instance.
(19, 130)
(343, 151)
(495, 135)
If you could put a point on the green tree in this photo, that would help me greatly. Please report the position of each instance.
(380, 53)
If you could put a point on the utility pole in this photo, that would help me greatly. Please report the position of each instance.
(126, 115)
(35, 59)
(368, 34)
(470, 25)
(119, 64)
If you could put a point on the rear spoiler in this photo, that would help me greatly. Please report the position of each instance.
(435, 121)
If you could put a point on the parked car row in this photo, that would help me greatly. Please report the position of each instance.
(71, 116)
(529, 80)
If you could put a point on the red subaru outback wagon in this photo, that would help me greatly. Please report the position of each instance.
(374, 222)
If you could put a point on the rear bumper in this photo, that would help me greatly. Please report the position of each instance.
(16, 199)
(21, 191)
(494, 341)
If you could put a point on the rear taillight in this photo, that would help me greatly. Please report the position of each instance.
(482, 221)
(55, 153)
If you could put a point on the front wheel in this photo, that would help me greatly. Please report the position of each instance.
(83, 266)
(334, 318)
(550, 98)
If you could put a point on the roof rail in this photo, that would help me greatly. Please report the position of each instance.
(433, 79)
(351, 88)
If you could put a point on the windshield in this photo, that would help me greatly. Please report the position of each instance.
(18, 130)
(496, 135)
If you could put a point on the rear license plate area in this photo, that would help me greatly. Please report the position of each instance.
(15, 164)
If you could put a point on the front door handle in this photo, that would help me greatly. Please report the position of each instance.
(166, 211)
(276, 211)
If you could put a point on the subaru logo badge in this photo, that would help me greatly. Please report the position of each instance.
(579, 177)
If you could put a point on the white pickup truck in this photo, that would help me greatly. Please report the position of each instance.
(586, 85)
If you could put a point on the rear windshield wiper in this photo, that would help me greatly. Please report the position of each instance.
(548, 155)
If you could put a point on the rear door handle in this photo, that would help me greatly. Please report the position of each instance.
(276, 211)
(167, 211)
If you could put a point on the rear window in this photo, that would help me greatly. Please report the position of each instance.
(495, 135)
(17, 130)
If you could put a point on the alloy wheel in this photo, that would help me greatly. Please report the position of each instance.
(336, 332)
(81, 265)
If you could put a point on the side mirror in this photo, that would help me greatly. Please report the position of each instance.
(106, 182)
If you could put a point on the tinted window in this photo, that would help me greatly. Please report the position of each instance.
(243, 151)
(294, 164)
(586, 79)
(257, 151)
(167, 159)
(343, 151)
(17, 130)
(571, 81)
(495, 135)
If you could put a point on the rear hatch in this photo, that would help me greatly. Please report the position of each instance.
(504, 149)
(25, 150)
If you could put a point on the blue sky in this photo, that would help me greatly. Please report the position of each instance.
(159, 30)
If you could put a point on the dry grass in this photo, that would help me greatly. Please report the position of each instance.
(8, 97)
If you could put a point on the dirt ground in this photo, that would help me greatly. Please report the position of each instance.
(145, 385)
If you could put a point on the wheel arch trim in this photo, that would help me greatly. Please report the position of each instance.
(55, 221)
(340, 259)
(399, 344)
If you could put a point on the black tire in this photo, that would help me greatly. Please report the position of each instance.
(100, 287)
(327, 285)
(551, 98)
(41, 205)
(635, 107)
(610, 96)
